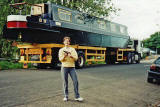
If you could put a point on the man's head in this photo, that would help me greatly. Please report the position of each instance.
(66, 40)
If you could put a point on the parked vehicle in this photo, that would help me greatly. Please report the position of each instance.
(95, 39)
(154, 72)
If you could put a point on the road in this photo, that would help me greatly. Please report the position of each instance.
(119, 85)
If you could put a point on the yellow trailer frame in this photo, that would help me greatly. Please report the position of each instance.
(91, 54)
(27, 50)
(120, 54)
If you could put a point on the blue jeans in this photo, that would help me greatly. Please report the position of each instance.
(71, 71)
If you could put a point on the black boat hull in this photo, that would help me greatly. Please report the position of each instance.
(33, 35)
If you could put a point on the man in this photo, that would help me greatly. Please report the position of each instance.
(68, 56)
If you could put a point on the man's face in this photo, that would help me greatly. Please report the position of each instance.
(66, 42)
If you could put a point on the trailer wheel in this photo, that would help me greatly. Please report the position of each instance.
(129, 61)
(81, 61)
(133, 58)
(110, 60)
(129, 58)
(138, 61)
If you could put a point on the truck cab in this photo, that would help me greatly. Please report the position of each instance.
(136, 45)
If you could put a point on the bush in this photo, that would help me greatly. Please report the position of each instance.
(4, 64)
(94, 62)
(144, 55)
(9, 65)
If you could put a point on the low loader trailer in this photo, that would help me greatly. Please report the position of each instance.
(47, 55)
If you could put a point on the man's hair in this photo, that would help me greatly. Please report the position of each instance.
(66, 37)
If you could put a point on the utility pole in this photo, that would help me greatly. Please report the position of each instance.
(158, 36)
(156, 47)
(158, 24)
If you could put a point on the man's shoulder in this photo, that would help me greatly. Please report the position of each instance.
(72, 48)
(61, 49)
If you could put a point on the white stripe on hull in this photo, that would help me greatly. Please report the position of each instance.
(16, 18)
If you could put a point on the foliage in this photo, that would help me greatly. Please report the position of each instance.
(98, 8)
(7, 50)
(94, 62)
(144, 55)
(4, 65)
(152, 42)
(10, 65)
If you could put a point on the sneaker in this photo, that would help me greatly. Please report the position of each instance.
(65, 99)
(79, 99)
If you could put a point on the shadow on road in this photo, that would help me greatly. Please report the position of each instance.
(87, 66)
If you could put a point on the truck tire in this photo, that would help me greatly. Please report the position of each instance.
(138, 61)
(129, 58)
(129, 61)
(80, 63)
(133, 58)
(110, 60)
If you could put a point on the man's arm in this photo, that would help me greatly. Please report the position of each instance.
(73, 54)
(62, 55)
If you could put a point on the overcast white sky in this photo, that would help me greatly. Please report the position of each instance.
(140, 16)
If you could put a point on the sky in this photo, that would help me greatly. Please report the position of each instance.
(142, 17)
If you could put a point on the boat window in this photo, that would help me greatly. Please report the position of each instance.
(37, 9)
(122, 30)
(64, 15)
(101, 24)
(130, 42)
(113, 27)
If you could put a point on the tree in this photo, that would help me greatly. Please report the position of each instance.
(98, 8)
(153, 42)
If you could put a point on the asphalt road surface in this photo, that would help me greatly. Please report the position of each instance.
(100, 86)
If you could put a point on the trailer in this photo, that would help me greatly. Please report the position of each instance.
(95, 39)
(46, 55)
